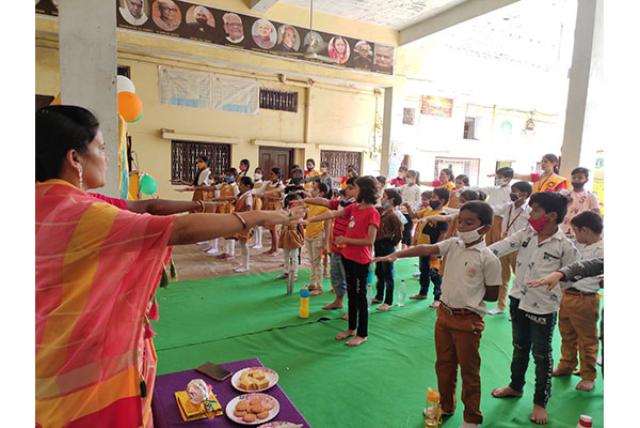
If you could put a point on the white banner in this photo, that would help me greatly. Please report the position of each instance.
(185, 88)
(235, 94)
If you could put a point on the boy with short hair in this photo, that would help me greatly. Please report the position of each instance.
(472, 275)
(578, 317)
(581, 200)
(515, 217)
(542, 249)
(427, 233)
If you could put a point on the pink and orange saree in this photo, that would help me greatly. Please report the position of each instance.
(97, 268)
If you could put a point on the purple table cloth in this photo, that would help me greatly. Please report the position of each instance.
(165, 408)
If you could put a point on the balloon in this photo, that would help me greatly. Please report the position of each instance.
(148, 185)
(138, 118)
(124, 84)
(129, 106)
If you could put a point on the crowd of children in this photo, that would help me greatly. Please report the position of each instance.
(469, 241)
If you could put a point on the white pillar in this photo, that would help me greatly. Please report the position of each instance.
(387, 118)
(582, 129)
(88, 63)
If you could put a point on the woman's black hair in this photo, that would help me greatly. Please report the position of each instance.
(554, 159)
(58, 130)
(590, 220)
(246, 181)
(470, 195)
(245, 162)
(482, 209)
(551, 202)
(523, 186)
(449, 174)
(394, 196)
(464, 179)
(368, 192)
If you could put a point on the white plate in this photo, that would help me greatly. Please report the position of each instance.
(278, 424)
(271, 375)
(233, 403)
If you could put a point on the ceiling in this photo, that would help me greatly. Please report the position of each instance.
(395, 14)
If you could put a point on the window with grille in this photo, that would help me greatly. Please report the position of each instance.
(278, 100)
(185, 153)
(468, 167)
(339, 161)
(470, 128)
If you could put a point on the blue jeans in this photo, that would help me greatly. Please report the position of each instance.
(338, 276)
(428, 274)
(532, 333)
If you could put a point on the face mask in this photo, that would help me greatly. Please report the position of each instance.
(514, 197)
(539, 223)
(434, 204)
(228, 179)
(309, 168)
(386, 205)
(257, 177)
(470, 236)
(577, 186)
(296, 180)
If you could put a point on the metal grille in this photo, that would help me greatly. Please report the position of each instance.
(278, 100)
(184, 154)
(338, 161)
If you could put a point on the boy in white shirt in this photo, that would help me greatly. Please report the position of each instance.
(410, 193)
(578, 317)
(472, 275)
(542, 249)
(581, 200)
(515, 217)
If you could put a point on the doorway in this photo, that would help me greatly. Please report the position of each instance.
(271, 157)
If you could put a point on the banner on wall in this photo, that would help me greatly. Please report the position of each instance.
(185, 88)
(186, 20)
(235, 94)
(436, 106)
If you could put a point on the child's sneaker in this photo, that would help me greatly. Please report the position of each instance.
(496, 311)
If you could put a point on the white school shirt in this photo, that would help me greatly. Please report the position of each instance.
(466, 274)
(591, 284)
(411, 195)
(513, 218)
(401, 217)
(496, 195)
(204, 177)
(535, 260)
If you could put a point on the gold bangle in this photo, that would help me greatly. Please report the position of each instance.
(244, 223)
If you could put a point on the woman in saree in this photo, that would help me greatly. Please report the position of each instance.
(97, 268)
(548, 180)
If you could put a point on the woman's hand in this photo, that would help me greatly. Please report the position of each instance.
(287, 218)
(550, 280)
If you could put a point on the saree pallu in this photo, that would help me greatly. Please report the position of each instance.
(555, 183)
(97, 268)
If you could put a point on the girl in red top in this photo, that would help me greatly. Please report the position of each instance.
(356, 243)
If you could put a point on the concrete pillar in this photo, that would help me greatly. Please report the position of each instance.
(582, 129)
(387, 119)
(88, 63)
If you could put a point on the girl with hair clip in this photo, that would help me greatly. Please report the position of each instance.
(356, 243)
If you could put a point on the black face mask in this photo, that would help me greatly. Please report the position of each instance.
(514, 197)
(578, 186)
(310, 169)
(296, 180)
(434, 204)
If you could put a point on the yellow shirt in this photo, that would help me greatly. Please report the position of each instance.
(313, 230)
(420, 238)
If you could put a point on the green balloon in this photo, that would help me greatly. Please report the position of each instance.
(148, 185)
(137, 118)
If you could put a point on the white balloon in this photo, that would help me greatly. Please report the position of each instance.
(125, 85)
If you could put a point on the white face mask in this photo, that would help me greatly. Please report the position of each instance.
(257, 177)
(470, 236)
(502, 181)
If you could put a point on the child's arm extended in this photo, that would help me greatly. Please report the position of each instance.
(317, 201)
(326, 216)
(360, 242)
(410, 212)
(416, 251)
(509, 244)
(448, 218)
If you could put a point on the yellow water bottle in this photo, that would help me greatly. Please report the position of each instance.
(304, 303)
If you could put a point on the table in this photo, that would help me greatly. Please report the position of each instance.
(165, 408)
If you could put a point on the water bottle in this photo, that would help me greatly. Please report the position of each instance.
(433, 411)
(402, 293)
(584, 422)
(304, 303)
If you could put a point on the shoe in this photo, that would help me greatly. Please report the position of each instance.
(241, 269)
(418, 297)
(283, 276)
(496, 311)
(257, 247)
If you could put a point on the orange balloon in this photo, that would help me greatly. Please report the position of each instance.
(129, 106)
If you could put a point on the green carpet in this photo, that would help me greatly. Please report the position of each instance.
(380, 384)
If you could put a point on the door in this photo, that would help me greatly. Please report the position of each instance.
(271, 157)
(339, 161)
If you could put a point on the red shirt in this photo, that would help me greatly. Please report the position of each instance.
(358, 228)
(397, 182)
(340, 225)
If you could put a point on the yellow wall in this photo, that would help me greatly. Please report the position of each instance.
(342, 102)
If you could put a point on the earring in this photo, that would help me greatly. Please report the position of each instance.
(80, 175)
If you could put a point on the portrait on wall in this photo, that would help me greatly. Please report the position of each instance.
(288, 39)
(408, 116)
(339, 50)
(314, 43)
(166, 15)
(264, 33)
(383, 59)
(134, 12)
(233, 27)
(362, 55)
(200, 21)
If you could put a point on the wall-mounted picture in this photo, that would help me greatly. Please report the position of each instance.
(134, 12)
(339, 50)
(288, 39)
(313, 43)
(166, 15)
(408, 116)
(264, 33)
(383, 59)
(233, 28)
(362, 55)
(200, 21)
